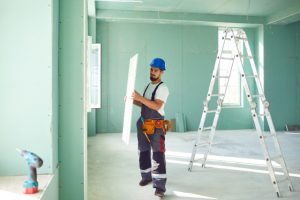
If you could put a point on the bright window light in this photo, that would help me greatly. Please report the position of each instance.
(242, 169)
(292, 133)
(191, 195)
(233, 93)
(223, 159)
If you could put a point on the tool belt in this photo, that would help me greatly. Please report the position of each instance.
(150, 125)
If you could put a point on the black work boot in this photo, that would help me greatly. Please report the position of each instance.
(144, 182)
(159, 192)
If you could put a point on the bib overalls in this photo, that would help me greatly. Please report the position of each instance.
(157, 170)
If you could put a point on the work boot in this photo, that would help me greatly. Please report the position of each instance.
(144, 182)
(160, 193)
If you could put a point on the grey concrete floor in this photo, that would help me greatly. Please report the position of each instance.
(235, 170)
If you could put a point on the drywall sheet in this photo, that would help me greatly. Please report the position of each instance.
(129, 100)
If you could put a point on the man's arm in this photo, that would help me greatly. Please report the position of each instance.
(137, 103)
(155, 105)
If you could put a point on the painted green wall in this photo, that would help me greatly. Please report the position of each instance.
(282, 73)
(55, 21)
(52, 191)
(298, 69)
(72, 116)
(190, 53)
(27, 66)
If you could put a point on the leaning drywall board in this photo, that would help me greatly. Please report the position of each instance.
(129, 100)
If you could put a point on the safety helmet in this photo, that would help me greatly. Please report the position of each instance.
(158, 63)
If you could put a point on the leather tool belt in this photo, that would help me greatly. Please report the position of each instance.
(150, 125)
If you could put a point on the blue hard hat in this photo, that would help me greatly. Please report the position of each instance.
(158, 63)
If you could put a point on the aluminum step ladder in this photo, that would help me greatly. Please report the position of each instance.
(235, 36)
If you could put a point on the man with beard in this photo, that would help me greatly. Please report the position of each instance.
(151, 129)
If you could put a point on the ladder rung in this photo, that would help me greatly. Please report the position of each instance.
(246, 56)
(223, 76)
(211, 111)
(224, 58)
(282, 180)
(240, 38)
(217, 95)
(207, 128)
(250, 76)
(202, 144)
(269, 135)
(257, 95)
(276, 158)
(227, 52)
(261, 115)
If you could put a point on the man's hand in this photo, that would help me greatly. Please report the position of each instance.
(139, 100)
(136, 96)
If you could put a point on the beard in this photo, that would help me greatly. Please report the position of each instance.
(153, 78)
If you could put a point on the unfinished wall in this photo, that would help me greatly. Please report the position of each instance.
(72, 117)
(27, 66)
(298, 69)
(281, 47)
(190, 53)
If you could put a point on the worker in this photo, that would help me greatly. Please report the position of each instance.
(151, 129)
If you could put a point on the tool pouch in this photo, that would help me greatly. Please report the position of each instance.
(150, 125)
(167, 125)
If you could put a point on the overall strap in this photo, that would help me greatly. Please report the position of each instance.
(154, 92)
(146, 90)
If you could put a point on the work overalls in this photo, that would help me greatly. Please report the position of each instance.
(157, 141)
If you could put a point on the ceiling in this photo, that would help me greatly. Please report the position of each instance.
(284, 11)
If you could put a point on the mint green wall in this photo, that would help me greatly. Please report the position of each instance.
(282, 73)
(298, 69)
(92, 114)
(55, 21)
(52, 191)
(72, 116)
(28, 62)
(190, 53)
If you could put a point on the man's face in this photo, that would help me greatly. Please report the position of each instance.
(155, 73)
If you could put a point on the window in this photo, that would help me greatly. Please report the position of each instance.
(233, 93)
(93, 75)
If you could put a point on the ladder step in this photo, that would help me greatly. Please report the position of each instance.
(276, 158)
(211, 111)
(223, 76)
(202, 144)
(246, 56)
(224, 58)
(217, 95)
(283, 180)
(251, 76)
(261, 115)
(227, 51)
(241, 38)
(258, 95)
(269, 135)
(207, 128)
